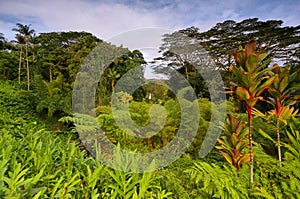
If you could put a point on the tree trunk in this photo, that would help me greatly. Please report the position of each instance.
(112, 85)
(164, 140)
(249, 111)
(20, 64)
(27, 67)
(278, 141)
(186, 73)
(50, 74)
(149, 141)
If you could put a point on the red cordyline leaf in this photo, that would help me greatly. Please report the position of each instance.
(250, 48)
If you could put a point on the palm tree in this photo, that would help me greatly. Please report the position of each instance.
(113, 75)
(24, 31)
(20, 42)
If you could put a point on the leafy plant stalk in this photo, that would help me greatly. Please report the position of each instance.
(249, 112)
(251, 80)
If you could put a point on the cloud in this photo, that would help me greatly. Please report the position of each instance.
(103, 20)
(288, 12)
(107, 18)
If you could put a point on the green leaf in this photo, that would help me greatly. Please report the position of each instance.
(283, 84)
(262, 56)
(37, 196)
(241, 145)
(258, 113)
(224, 144)
(251, 63)
(265, 85)
(274, 93)
(247, 79)
(265, 135)
(234, 139)
(219, 147)
(292, 89)
(242, 93)
(264, 64)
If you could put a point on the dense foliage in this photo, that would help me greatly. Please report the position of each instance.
(256, 156)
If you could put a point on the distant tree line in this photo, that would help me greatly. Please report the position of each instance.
(47, 63)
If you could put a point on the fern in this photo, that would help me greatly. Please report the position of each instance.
(220, 181)
(293, 145)
(271, 180)
(262, 192)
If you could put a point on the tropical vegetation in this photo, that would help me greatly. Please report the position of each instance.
(45, 154)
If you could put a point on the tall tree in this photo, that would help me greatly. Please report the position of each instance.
(20, 42)
(282, 42)
(59, 57)
(24, 32)
(183, 53)
(112, 75)
(63, 53)
(127, 62)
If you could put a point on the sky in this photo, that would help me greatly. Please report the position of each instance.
(107, 18)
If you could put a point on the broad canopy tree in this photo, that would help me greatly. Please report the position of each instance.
(282, 42)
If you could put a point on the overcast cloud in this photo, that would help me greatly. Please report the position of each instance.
(106, 19)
